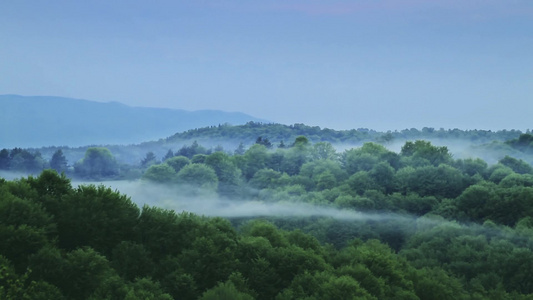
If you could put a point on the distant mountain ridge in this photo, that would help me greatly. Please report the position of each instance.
(36, 121)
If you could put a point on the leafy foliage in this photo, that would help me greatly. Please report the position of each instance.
(97, 163)
(422, 225)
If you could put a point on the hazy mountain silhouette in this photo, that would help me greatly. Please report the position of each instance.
(35, 121)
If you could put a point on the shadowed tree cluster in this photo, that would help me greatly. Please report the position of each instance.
(90, 242)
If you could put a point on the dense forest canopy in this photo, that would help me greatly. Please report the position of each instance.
(417, 223)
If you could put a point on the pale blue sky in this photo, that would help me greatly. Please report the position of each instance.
(380, 64)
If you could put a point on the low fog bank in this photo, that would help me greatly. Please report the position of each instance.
(202, 203)
(180, 200)
(186, 199)
(460, 149)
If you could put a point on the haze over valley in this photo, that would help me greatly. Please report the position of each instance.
(259, 150)
(306, 211)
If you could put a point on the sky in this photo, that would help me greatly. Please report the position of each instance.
(378, 64)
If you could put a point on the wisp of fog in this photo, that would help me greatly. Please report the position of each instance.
(182, 199)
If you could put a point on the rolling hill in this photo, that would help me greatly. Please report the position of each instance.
(36, 121)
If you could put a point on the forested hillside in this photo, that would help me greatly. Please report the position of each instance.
(418, 223)
(490, 146)
(279, 132)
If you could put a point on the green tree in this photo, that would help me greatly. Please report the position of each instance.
(361, 182)
(324, 150)
(17, 212)
(96, 216)
(198, 176)
(296, 156)
(4, 159)
(517, 275)
(240, 149)
(422, 152)
(177, 283)
(510, 205)
(145, 288)
(48, 189)
(442, 181)
(414, 204)
(26, 161)
(17, 243)
(264, 141)
(48, 264)
(499, 172)
(178, 162)
(225, 291)
(198, 158)
(383, 175)
(162, 173)
(131, 260)
(148, 160)
(229, 176)
(517, 180)
(97, 163)
(471, 166)
(169, 155)
(265, 178)
(192, 150)
(15, 287)
(254, 255)
(524, 142)
(25, 227)
(436, 284)
(255, 159)
(314, 168)
(162, 232)
(382, 263)
(324, 285)
(517, 165)
(58, 161)
(355, 160)
(86, 271)
(325, 180)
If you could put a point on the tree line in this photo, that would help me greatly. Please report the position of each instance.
(495, 143)
(277, 132)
